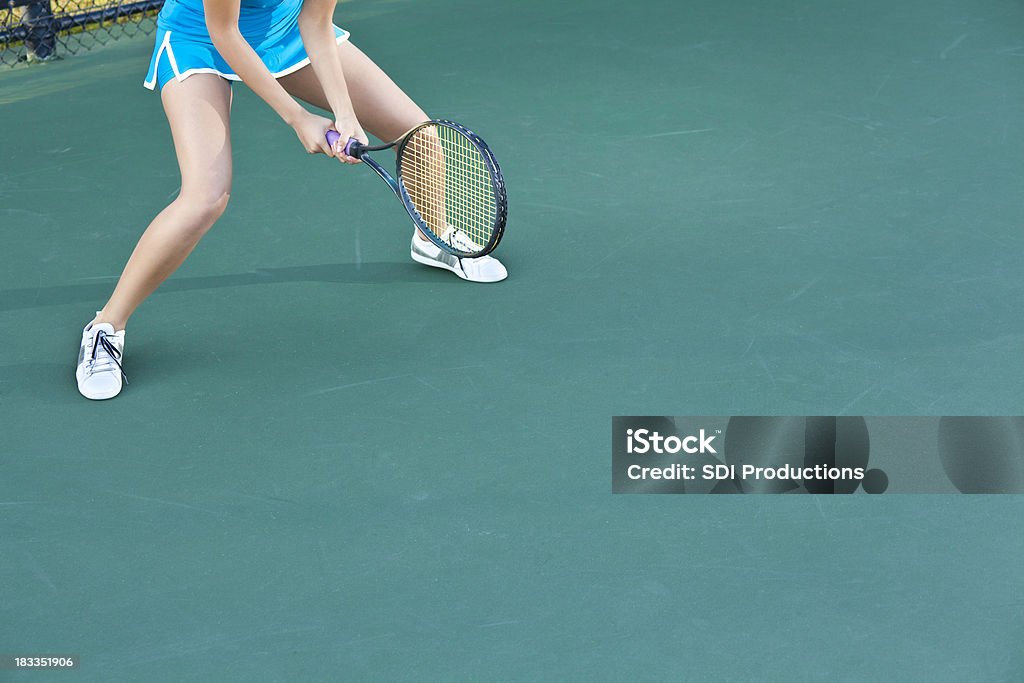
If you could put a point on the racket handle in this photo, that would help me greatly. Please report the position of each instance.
(353, 147)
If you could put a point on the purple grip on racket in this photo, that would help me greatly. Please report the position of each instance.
(332, 137)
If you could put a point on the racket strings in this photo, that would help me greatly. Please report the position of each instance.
(449, 184)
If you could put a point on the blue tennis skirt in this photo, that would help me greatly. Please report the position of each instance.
(183, 45)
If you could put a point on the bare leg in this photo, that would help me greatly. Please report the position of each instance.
(198, 110)
(387, 112)
(382, 108)
(380, 105)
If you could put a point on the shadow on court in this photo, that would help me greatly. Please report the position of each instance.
(339, 273)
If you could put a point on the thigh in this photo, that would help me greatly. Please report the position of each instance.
(380, 105)
(199, 111)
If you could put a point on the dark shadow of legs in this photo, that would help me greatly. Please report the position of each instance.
(341, 273)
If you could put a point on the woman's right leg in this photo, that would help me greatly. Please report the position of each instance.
(198, 110)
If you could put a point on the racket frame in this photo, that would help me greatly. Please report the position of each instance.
(397, 185)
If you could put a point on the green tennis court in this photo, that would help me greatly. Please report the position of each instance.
(334, 464)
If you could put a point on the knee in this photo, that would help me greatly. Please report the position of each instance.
(205, 209)
(211, 205)
(215, 206)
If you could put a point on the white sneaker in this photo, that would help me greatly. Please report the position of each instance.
(481, 269)
(99, 372)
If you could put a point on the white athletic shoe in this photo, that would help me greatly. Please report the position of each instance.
(99, 372)
(482, 269)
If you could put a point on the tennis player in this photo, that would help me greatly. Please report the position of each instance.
(282, 49)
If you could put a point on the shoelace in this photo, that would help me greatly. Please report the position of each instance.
(113, 355)
(459, 240)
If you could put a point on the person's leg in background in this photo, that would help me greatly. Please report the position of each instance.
(41, 41)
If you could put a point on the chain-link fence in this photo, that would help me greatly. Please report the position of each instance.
(41, 30)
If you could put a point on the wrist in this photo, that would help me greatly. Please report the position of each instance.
(343, 110)
(293, 114)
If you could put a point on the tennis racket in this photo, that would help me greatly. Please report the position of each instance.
(448, 181)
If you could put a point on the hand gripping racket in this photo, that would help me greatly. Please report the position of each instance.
(448, 181)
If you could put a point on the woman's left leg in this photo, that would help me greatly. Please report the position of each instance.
(386, 112)
(380, 105)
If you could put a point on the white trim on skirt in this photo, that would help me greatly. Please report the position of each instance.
(179, 76)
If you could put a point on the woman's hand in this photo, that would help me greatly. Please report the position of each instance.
(312, 132)
(348, 127)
